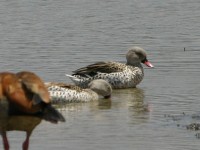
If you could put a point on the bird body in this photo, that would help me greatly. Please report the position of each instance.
(125, 76)
(68, 93)
(24, 94)
(119, 75)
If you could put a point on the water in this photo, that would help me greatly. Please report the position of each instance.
(52, 38)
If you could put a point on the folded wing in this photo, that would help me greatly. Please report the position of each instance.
(103, 67)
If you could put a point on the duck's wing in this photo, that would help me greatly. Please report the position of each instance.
(63, 86)
(25, 93)
(35, 86)
(103, 67)
(17, 97)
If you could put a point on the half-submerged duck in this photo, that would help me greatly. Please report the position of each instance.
(24, 102)
(119, 75)
(67, 93)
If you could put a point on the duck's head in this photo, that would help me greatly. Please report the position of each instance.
(136, 55)
(101, 87)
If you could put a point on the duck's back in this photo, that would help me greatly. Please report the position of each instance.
(66, 93)
(119, 75)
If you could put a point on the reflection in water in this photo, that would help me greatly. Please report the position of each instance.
(105, 103)
(73, 111)
(55, 37)
(131, 100)
(134, 101)
(77, 106)
(23, 123)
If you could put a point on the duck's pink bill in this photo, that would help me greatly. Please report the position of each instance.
(147, 63)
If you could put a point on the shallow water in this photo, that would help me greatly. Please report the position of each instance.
(52, 38)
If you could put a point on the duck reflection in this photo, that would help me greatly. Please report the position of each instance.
(136, 101)
(104, 103)
(132, 100)
(25, 123)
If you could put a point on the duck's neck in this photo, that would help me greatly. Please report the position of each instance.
(137, 65)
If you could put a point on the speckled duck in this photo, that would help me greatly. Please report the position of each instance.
(119, 75)
(67, 93)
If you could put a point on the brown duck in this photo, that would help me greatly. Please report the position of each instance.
(24, 102)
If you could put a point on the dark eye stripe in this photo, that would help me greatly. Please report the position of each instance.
(144, 60)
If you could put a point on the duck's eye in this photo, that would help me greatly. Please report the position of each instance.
(144, 60)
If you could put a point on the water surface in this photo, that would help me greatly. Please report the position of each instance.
(52, 38)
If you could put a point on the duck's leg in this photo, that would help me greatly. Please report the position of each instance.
(26, 142)
(5, 141)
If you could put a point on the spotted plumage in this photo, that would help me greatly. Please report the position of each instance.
(117, 74)
(66, 93)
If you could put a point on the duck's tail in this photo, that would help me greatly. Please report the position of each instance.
(81, 81)
(52, 115)
(73, 78)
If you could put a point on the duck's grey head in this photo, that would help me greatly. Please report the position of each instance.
(136, 55)
(101, 87)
